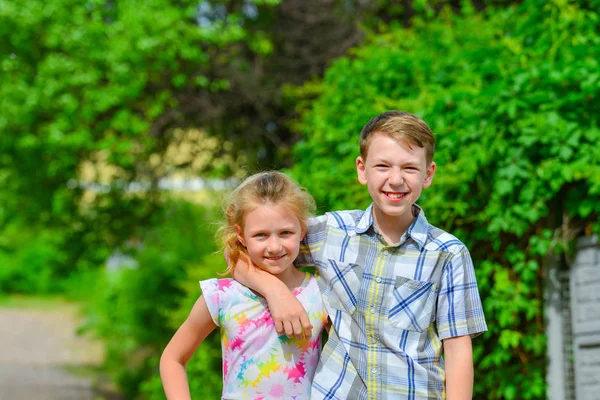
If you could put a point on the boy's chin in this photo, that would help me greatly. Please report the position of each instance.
(394, 215)
(394, 210)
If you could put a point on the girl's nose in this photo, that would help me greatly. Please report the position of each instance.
(273, 246)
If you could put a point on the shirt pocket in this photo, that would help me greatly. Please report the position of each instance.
(343, 280)
(412, 304)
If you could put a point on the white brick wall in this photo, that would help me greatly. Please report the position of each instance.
(585, 304)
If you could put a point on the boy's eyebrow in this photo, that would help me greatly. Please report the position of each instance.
(377, 160)
(414, 162)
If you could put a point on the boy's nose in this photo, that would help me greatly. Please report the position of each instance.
(396, 177)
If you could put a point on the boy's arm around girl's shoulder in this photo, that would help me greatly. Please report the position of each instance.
(180, 349)
(316, 228)
(287, 312)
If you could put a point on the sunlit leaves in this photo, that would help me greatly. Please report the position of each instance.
(513, 102)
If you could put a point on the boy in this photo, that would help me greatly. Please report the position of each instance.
(398, 290)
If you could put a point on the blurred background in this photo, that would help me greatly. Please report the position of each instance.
(123, 123)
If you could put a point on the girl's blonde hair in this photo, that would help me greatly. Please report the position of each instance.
(271, 187)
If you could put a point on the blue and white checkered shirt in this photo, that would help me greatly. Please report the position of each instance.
(391, 306)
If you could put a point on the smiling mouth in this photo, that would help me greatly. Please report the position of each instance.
(275, 258)
(395, 196)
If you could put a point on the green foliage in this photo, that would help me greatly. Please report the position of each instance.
(204, 370)
(514, 99)
(131, 306)
(98, 82)
(28, 260)
(512, 95)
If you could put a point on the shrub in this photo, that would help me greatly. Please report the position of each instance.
(514, 99)
(29, 258)
(204, 369)
(132, 307)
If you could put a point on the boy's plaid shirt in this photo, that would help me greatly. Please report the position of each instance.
(391, 306)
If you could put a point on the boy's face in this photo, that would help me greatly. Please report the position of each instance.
(395, 175)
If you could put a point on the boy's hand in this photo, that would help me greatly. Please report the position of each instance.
(287, 312)
(289, 315)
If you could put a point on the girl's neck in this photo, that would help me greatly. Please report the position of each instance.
(292, 277)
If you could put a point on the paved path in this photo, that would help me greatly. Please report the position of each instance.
(36, 349)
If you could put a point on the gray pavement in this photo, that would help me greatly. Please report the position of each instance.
(37, 349)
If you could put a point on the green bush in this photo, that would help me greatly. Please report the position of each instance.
(29, 258)
(132, 307)
(204, 369)
(513, 97)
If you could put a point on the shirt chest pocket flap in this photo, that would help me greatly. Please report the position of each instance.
(412, 304)
(344, 283)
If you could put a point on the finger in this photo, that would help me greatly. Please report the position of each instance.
(279, 327)
(298, 329)
(306, 326)
(289, 329)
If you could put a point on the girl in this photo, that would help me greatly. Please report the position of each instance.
(265, 221)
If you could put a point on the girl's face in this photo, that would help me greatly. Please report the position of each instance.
(272, 237)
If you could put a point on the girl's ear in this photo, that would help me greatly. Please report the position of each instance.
(240, 236)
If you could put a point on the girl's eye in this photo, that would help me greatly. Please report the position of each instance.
(287, 233)
(260, 235)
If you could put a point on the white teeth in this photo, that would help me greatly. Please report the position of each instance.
(395, 195)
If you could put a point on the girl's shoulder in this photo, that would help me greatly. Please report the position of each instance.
(310, 284)
(224, 287)
(311, 280)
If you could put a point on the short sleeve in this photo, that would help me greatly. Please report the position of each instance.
(313, 241)
(212, 296)
(459, 309)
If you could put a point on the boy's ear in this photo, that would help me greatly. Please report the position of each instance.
(240, 236)
(429, 173)
(361, 170)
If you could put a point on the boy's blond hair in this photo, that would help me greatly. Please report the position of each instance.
(401, 126)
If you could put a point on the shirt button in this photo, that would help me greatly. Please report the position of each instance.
(372, 310)
(378, 279)
(374, 370)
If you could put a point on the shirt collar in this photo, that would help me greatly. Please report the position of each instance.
(417, 230)
(366, 221)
